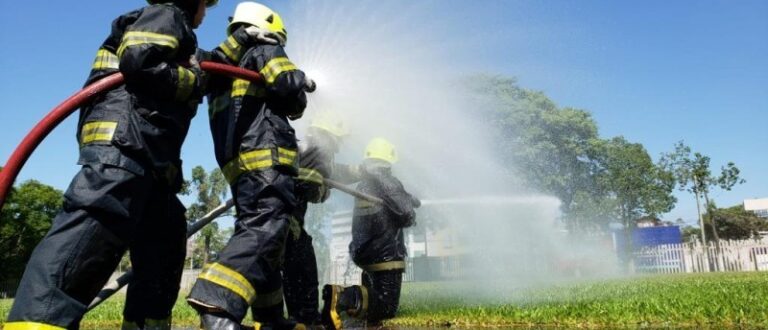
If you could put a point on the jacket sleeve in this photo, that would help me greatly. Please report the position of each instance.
(147, 54)
(283, 81)
(231, 50)
(398, 201)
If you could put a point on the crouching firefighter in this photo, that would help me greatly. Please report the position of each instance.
(124, 196)
(377, 246)
(256, 149)
(317, 161)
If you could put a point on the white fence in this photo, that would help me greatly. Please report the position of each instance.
(723, 256)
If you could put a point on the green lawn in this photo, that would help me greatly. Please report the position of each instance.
(704, 300)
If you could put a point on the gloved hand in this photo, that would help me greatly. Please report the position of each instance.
(200, 75)
(264, 36)
(201, 79)
(309, 85)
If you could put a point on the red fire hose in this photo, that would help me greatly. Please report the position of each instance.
(63, 110)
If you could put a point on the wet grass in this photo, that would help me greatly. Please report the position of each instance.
(732, 300)
(692, 301)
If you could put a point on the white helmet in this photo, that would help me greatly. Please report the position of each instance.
(260, 16)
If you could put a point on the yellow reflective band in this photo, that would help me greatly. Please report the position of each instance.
(364, 311)
(286, 156)
(389, 265)
(256, 159)
(269, 299)
(275, 67)
(30, 326)
(135, 38)
(311, 175)
(247, 161)
(335, 318)
(98, 131)
(232, 49)
(229, 279)
(105, 60)
(185, 84)
(242, 87)
(363, 204)
(257, 326)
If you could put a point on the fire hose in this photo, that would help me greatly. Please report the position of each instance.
(21, 154)
(33, 139)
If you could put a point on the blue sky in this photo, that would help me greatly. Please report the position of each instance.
(654, 71)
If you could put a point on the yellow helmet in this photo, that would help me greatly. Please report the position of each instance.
(380, 148)
(331, 122)
(259, 16)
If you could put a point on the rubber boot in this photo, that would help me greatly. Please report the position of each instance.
(337, 299)
(272, 318)
(218, 321)
(213, 318)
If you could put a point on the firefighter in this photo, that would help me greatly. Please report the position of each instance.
(124, 196)
(317, 162)
(256, 149)
(377, 246)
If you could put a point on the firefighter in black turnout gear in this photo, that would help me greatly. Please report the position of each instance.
(256, 149)
(124, 196)
(377, 246)
(317, 161)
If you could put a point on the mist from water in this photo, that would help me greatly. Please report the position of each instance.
(393, 78)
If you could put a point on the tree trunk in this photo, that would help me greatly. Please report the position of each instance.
(710, 209)
(206, 249)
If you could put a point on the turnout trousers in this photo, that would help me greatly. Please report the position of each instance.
(248, 270)
(300, 281)
(107, 210)
(383, 294)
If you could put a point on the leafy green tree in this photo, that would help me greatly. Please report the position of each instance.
(735, 223)
(549, 147)
(693, 174)
(24, 220)
(211, 190)
(690, 233)
(628, 175)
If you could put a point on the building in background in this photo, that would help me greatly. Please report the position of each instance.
(759, 206)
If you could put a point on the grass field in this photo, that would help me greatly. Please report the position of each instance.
(694, 301)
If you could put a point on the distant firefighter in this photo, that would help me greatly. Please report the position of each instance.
(317, 162)
(377, 246)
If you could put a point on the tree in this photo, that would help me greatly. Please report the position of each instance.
(736, 223)
(628, 175)
(24, 220)
(211, 192)
(693, 174)
(549, 146)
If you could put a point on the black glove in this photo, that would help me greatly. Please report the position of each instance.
(201, 79)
